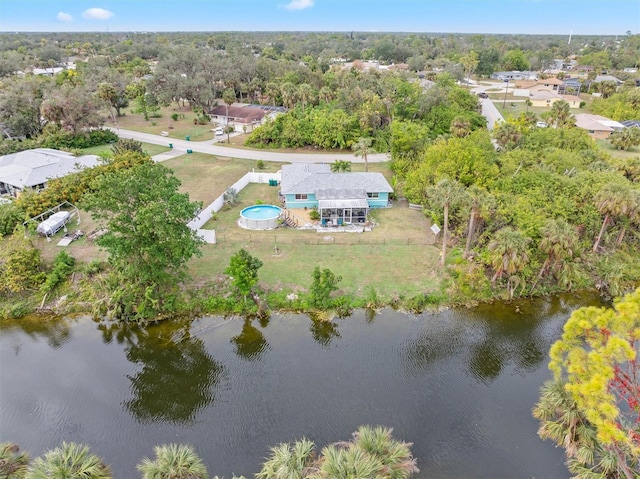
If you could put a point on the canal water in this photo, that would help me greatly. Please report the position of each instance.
(459, 384)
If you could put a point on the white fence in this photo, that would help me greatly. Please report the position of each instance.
(206, 214)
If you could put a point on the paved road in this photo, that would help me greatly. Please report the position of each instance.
(181, 146)
(491, 113)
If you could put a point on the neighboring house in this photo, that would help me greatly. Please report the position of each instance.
(515, 75)
(601, 78)
(548, 84)
(631, 123)
(570, 86)
(598, 126)
(244, 118)
(340, 198)
(32, 169)
(544, 98)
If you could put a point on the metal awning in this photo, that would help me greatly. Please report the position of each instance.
(343, 203)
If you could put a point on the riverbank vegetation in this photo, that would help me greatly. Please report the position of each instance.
(546, 211)
(591, 407)
(372, 452)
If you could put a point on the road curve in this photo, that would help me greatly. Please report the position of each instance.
(266, 155)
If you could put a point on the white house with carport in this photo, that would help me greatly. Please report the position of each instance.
(340, 198)
(32, 169)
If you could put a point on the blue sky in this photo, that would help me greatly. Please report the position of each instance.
(463, 16)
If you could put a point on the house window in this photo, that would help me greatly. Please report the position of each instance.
(301, 197)
(374, 195)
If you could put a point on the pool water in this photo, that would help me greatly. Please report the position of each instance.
(261, 212)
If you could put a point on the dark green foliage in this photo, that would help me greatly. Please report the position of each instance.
(243, 269)
(62, 268)
(148, 240)
(20, 265)
(60, 140)
(314, 215)
(324, 283)
(10, 216)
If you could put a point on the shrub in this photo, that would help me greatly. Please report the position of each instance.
(314, 215)
(10, 217)
(175, 117)
(260, 164)
(62, 268)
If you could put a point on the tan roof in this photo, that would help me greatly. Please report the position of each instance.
(525, 84)
(239, 113)
(550, 81)
(571, 98)
(596, 122)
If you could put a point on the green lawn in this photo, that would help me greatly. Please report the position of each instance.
(150, 148)
(624, 154)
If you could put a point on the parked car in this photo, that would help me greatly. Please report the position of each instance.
(541, 124)
(54, 223)
(219, 131)
(483, 95)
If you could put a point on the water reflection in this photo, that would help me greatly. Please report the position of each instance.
(55, 329)
(251, 344)
(178, 377)
(323, 331)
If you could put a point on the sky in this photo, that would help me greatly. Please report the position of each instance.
(587, 17)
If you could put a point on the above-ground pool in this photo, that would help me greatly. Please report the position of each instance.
(260, 217)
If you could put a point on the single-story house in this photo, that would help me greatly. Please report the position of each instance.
(341, 198)
(515, 75)
(32, 169)
(242, 118)
(544, 98)
(599, 127)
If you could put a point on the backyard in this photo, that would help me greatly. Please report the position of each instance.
(397, 256)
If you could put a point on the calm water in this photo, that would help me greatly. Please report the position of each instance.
(459, 384)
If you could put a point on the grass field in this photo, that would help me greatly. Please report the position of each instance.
(150, 148)
(624, 154)
(176, 129)
(397, 257)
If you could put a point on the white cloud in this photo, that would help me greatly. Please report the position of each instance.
(97, 14)
(64, 17)
(299, 4)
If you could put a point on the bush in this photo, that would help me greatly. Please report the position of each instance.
(314, 215)
(175, 117)
(62, 268)
(10, 217)
(260, 164)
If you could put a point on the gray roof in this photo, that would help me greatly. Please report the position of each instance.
(310, 178)
(630, 123)
(33, 167)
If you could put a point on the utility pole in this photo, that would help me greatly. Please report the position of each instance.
(504, 102)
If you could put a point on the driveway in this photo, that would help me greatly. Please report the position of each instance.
(210, 148)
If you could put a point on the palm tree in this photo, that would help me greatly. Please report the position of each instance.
(509, 253)
(340, 165)
(460, 127)
(607, 88)
(69, 461)
(362, 148)
(560, 114)
(528, 103)
(305, 93)
(347, 462)
(564, 423)
(289, 461)
(288, 92)
(614, 200)
(173, 461)
(326, 94)
(481, 204)
(395, 456)
(272, 90)
(13, 463)
(445, 194)
(559, 239)
(507, 135)
(229, 98)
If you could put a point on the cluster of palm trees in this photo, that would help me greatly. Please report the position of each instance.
(372, 453)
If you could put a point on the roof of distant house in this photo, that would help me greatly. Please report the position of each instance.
(305, 178)
(239, 113)
(34, 167)
(596, 122)
(601, 78)
(630, 123)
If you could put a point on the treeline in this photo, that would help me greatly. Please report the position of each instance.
(548, 212)
(372, 452)
(351, 105)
